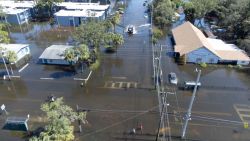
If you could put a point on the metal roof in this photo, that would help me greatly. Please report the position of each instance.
(13, 47)
(54, 52)
(13, 11)
(16, 123)
(17, 4)
(79, 13)
(189, 38)
(83, 6)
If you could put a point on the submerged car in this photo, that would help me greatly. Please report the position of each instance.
(172, 78)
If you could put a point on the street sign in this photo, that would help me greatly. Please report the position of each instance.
(3, 107)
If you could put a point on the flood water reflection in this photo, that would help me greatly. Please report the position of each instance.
(118, 94)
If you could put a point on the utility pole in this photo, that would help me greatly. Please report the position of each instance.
(2, 53)
(79, 121)
(187, 117)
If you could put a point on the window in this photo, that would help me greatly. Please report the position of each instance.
(198, 60)
(211, 60)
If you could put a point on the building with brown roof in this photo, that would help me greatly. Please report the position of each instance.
(192, 45)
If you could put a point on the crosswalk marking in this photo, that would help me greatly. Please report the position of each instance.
(243, 111)
(120, 85)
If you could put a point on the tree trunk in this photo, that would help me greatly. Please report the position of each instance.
(82, 67)
(11, 70)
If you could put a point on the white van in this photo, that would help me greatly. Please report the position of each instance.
(191, 84)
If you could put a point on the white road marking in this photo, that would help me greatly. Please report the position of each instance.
(120, 85)
(119, 77)
(23, 67)
(79, 79)
(243, 111)
(49, 78)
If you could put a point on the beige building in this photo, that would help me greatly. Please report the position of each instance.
(194, 47)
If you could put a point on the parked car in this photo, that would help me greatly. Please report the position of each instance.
(191, 84)
(172, 78)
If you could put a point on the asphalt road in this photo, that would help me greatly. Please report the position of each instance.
(120, 95)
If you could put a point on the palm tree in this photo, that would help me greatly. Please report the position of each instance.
(113, 40)
(70, 55)
(83, 54)
(117, 39)
(80, 54)
(107, 24)
(4, 38)
(115, 20)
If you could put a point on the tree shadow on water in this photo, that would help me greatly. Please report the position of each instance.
(61, 74)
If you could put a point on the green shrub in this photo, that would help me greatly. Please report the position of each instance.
(239, 66)
(203, 65)
(157, 33)
(95, 65)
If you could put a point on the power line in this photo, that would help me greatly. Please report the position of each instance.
(120, 122)
(194, 116)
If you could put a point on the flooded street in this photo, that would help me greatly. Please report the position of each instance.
(120, 94)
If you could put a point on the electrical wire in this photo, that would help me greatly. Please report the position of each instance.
(117, 123)
(194, 116)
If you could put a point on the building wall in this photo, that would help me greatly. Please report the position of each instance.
(55, 61)
(23, 52)
(202, 55)
(19, 18)
(12, 19)
(67, 21)
(242, 62)
(20, 54)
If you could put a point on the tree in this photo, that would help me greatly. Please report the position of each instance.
(117, 39)
(4, 38)
(163, 13)
(44, 7)
(12, 58)
(4, 35)
(235, 17)
(70, 55)
(113, 40)
(197, 9)
(91, 33)
(115, 19)
(201, 7)
(83, 54)
(60, 118)
(77, 54)
(107, 24)
(244, 44)
(157, 34)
